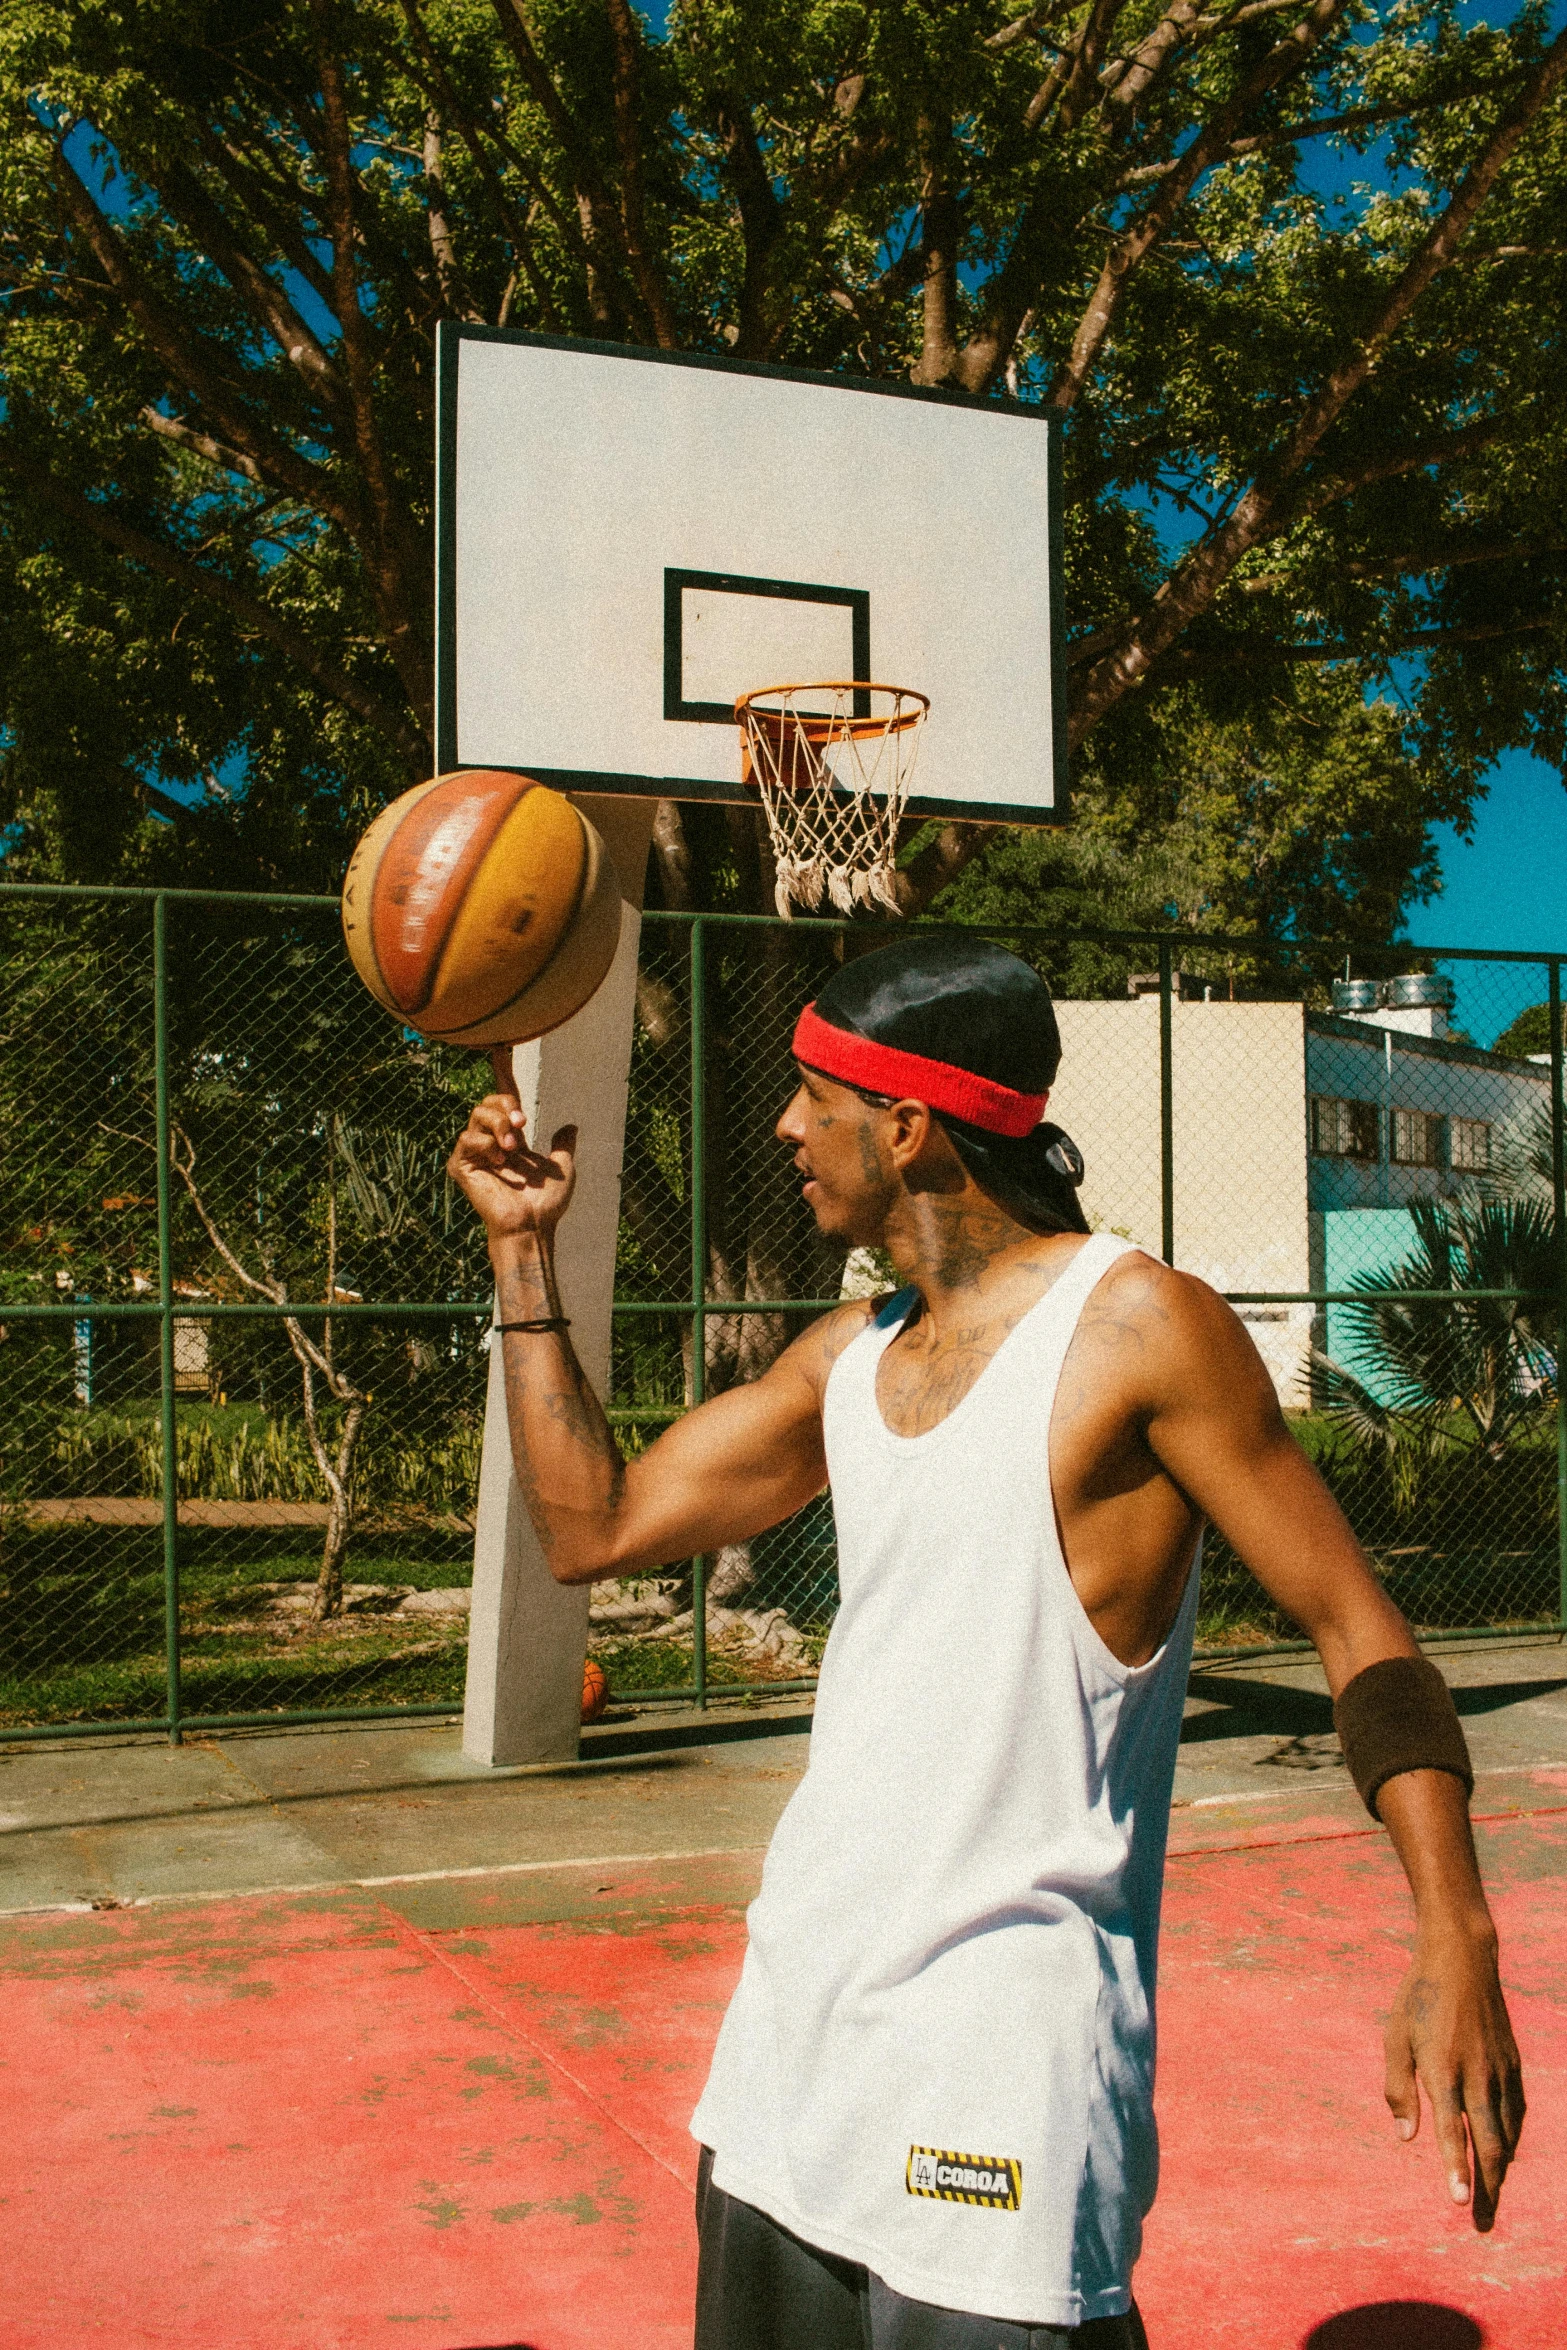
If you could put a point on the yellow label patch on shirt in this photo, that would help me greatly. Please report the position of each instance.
(994, 2180)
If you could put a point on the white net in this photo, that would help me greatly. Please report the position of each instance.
(833, 764)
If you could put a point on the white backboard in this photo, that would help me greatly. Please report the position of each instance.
(628, 539)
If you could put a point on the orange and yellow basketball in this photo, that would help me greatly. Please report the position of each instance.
(482, 908)
(595, 1690)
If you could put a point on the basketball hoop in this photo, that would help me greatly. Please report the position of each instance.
(833, 764)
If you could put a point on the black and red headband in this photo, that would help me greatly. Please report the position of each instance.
(882, 1068)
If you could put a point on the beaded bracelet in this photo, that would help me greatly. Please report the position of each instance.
(547, 1322)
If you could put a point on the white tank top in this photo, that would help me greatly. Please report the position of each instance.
(939, 2057)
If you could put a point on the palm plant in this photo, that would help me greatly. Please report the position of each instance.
(1524, 1165)
(1434, 1370)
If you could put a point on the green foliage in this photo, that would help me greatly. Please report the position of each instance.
(226, 235)
(1303, 819)
(257, 1458)
(1529, 1034)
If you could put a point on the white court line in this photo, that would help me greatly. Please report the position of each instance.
(503, 1868)
(612, 1860)
(1281, 1794)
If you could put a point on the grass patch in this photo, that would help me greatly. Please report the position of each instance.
(82, 1622)
(630, 1665)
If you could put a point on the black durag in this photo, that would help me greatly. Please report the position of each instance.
(969, 1003)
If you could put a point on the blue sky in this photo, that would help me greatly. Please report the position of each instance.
(1506, 886)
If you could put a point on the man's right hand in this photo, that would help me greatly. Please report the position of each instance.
(513, 1188)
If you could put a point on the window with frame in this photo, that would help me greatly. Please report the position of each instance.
(1343, 1129)
(1471, 1142)
(1417, 1139)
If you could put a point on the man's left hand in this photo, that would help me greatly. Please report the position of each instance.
(1449, 2033)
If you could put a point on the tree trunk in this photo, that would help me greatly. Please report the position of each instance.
(336, 1470)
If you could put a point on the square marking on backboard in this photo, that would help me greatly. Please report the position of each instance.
(725, 635)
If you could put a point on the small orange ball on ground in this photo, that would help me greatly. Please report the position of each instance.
(595, 1690)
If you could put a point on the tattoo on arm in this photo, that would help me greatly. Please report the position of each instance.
(544, 1379)
(577, 1409)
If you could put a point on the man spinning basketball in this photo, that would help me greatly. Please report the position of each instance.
(929, 2122)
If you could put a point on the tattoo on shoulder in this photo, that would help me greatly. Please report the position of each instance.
(821, 1345)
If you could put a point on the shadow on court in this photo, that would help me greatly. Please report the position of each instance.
(1397, 2325)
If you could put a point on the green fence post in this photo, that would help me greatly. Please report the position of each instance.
(1166, 1107)
(1559, 1200)
(699, 1270)
(171, 1505)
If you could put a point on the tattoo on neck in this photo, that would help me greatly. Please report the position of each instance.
(968, 1242)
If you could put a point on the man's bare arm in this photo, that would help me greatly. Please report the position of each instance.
(1214, 1424)
(731, 1467)
(727, 1470)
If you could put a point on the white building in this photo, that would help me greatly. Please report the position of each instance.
(1299, 1138)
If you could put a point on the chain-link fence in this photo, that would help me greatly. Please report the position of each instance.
(244, 1315)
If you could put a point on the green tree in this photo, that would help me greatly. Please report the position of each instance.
(1529, 1034)
(227, 232)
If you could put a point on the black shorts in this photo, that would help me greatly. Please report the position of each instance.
(759, 2288)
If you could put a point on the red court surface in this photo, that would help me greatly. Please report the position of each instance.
(319, 2122)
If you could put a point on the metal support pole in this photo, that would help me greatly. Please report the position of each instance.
(699, 1271)
(1559, 1201)
(171, 1499)
(1166, 1105)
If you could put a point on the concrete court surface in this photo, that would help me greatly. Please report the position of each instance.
(363, 2045)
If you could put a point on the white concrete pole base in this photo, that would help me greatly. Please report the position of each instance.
(528, 1634)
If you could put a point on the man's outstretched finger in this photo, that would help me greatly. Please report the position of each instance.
(1490, 2161)
(1447, 2117)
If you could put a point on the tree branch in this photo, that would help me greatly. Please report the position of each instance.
(208, 228)
(652, 284)
(1184, 664)
(1132, 247)
(201, 443)
(1458, 558)
(1082, 88)
(389, 557)
(270, 197)
(1128, 79)
(1199, 576)
(1320, 493)
(942, 231)
(601, 225)
(1326, 125)
(443, 250)
(513, 227)
(941, 860)
(182, 1158)
(761, 220)
(187, 363)
(1033, 20)
(90, 515)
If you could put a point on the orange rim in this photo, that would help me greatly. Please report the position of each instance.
(820, 725)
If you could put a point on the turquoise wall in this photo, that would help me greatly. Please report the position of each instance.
(1358, 1241)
